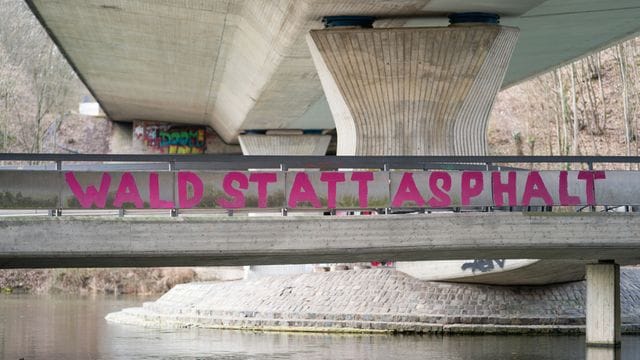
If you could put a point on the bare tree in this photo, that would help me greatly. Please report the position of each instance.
(574, 112)
(37, 80)
(622, 62)
(592, 106)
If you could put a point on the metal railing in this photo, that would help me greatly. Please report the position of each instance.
(130, 162)
(241, 162)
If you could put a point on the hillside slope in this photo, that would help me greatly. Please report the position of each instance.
(588, 107)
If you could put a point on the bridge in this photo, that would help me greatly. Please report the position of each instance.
(470, 225)
(402, 78)
(208, 234)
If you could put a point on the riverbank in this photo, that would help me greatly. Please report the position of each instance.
(377, 300)
(125, 281)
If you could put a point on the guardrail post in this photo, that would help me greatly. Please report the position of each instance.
(488, 166)
(58, 211)
(284, 210)
(590, 167)
(172, 167)
(385, 167)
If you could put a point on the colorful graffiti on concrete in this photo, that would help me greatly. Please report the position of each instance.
(183, 141)
(169, 139)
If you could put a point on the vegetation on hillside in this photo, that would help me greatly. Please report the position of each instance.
(95, 281)
(588, 107)
(39, 92)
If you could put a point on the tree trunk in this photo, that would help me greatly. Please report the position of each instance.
(574, 110)
(625, 97)
(604, 100)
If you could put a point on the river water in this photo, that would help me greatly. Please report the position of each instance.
(73, 327)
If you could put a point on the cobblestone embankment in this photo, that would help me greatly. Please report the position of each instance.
(377, 301)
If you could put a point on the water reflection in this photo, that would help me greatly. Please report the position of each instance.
(52, 327)
(74, 328)
(600, 353)
(246, 345)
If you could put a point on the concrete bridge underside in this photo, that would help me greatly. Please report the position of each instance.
(239, 65)
(184, 241)
(245, 64)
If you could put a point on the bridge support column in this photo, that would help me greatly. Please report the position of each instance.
(603, 304)
(281, 142)
(412, 91)
(284, 142)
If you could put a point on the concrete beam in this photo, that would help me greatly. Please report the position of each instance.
(603, 304)
(187, 241)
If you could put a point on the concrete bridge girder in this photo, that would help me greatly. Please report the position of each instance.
(187, 241)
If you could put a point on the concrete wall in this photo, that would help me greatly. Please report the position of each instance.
(129, 138)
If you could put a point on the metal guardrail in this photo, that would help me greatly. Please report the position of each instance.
(130, 162)
(238, 162)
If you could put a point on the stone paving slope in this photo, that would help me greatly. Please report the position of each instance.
(377, 300)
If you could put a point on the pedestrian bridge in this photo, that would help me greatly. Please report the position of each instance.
(163, 210)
